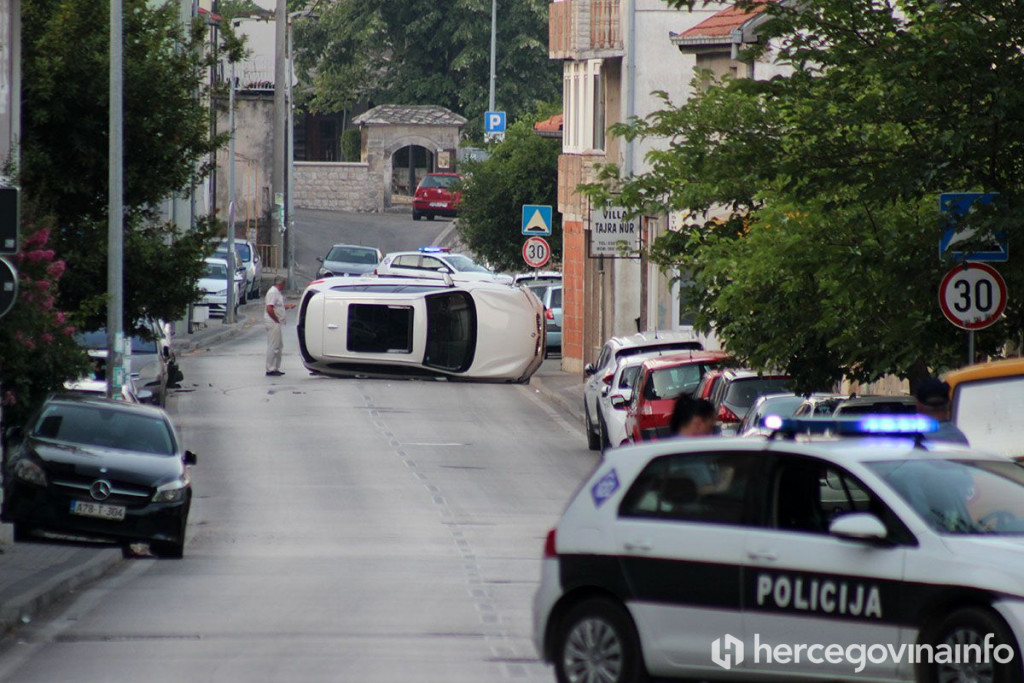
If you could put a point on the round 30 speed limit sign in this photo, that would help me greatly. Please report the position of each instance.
(972, 297)
(536, 251)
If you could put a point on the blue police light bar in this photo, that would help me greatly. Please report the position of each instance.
(864, 425)
(435, 250)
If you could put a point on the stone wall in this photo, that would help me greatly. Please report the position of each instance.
(337, 186)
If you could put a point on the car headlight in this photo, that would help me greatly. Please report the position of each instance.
(171, 493)
(29, 472)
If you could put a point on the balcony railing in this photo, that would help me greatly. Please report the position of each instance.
(605, 25)
(560, 29)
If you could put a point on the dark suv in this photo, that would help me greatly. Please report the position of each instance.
(736, 391)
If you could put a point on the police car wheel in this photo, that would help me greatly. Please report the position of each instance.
(973, 627)
(598, 644)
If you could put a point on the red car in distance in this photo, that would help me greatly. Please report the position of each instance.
(660, 382)
(434, 196)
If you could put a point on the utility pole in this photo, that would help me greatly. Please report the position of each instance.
(494, 51)
(115, 207)
(229, 314)
(280, 76)
(289, 187)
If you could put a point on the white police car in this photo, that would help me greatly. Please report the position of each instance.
(878, 558)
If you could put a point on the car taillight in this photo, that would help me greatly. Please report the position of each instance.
(549, 545)
(607, 379)
(726, 415)
(314, 282)
(549, 314)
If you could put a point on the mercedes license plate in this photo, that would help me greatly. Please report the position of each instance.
(89, 509)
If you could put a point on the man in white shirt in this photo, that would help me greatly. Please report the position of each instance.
(273, 320)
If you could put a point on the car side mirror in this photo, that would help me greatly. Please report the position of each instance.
(619, 402)
(858, 526)
(191, 458)
(589, 369)
(605, 389)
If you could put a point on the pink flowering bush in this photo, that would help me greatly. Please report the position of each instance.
(38, 352)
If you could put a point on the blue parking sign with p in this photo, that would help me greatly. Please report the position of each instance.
(494, 122)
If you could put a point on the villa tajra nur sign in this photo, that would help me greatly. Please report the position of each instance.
(613, 234)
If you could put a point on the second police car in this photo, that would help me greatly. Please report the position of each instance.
(874, 558)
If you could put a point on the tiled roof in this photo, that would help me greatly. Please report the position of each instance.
(719, 26)
(409, 115)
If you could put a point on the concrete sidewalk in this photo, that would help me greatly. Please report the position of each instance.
(36, 575)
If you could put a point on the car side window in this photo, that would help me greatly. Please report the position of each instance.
(699, 487)
(602, 360)
(431, 263)
(407, 261)
(807, 495)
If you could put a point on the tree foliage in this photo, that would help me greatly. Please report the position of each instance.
(813, 197)
(64, 148)
(413, 52)
(521, 170)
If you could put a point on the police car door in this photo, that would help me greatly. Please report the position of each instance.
(680, 533)
(805, 588)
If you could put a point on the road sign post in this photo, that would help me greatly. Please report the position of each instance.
(972, 297)
(536, 252)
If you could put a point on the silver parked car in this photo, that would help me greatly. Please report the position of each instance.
(348, 260)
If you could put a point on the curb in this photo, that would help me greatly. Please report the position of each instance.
(22, 608)
(210, 337)
(563, 403)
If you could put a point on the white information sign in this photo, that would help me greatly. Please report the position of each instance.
(612, 233)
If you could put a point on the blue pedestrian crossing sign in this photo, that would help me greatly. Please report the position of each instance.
(494, 122)
(536, 219)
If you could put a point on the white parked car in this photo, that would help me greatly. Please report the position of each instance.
(94, 383)
(375, 326)
(601, 373)
(247, 257)
(789, 559)
(214, 286)
(436, 262)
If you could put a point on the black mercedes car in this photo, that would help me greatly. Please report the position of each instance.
(101, 469)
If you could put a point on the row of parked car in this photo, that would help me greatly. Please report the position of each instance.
(633, 387)
(246, 278)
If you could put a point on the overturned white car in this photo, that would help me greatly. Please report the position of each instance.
(402, 327)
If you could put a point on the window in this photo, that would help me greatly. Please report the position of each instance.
(699, 487)
(451, 331)
(627, 378)
(376, 328)
(106, 428)
(407, 261)
(431, 263)
(584, 107)
(667, 383)
(350, 255)
(445, 181)
(743, 392)
(556, 297)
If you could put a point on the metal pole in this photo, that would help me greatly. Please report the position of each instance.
(289, 214)
(494, 50)
(115, 208)
(229, 314)
(970, 347)
(280, 54)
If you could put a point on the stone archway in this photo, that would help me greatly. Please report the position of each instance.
(390, 127)
(408, 166)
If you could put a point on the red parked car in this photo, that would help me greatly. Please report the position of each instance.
(434, 196)
(661, 381)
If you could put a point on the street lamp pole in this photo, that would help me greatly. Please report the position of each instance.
(280, 117)
(229, 314)
(115, 206)
(494, 50)
(289, 214)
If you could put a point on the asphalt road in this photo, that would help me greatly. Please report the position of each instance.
(343, 530)
(316, 231)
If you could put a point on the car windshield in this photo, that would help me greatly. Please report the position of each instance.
(743, 392)
(216, 271)
(445, 181)
(97, 339)
(464, 264)
(95, 425)
(627, 378)
(783, 406)
(882, 407)
(353, 255)
(242, 249)
(960, 496)
(673, 382)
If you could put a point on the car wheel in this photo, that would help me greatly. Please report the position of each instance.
(602, 432)
(593, 439)
(23, 533)
(598, 643)
(415, 215)
(969, 627)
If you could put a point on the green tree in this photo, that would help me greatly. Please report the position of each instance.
(412, 52)
(39, 352)
(822, 256)
(521, 170)
(64, 148)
